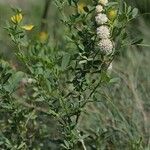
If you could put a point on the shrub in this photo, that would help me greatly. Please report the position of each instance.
(44, 101)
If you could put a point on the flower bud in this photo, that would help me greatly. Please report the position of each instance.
(103, 2)
(99, 9)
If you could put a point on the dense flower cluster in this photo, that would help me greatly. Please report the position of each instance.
(103, 31)
(101, 19)
(106, 45)
(103, 2)
(99, 8)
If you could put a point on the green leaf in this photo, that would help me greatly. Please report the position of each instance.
(65, 61)
(5, 78)
(104, 77)
(86, 9)
(134, 12)
(114, 80)
(13, 82)
(69, 1)
(82, 62)
(21, 145)
(137, 41)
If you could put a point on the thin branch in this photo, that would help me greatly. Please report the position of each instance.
(83, 144)
(45, 15)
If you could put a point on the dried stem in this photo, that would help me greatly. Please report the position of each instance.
(45, 15)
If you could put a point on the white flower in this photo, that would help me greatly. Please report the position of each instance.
(106, 45)
(103, 2)
(28, 80)
(103, 32)
(99, 8)
(101, 19)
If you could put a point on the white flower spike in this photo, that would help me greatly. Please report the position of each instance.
(101, 19)
(99, 9)
(103, 2)
(103, 32)
(106, 46)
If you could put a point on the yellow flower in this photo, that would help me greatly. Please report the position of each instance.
(112, 14)
(81, 6)
(17, 18)
(43, 36)
(27, 27)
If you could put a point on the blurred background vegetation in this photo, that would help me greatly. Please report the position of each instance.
(126, 103)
